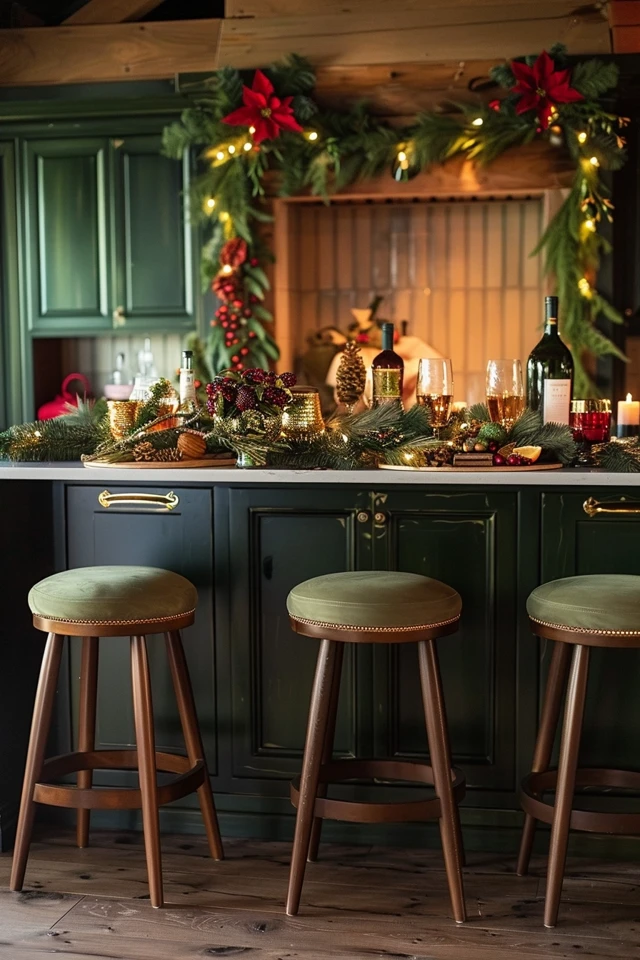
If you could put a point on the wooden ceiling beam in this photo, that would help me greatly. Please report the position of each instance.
(112, 11)
(405, 31)
(624, 17)
(118, 51)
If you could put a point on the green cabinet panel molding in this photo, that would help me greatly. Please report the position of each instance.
(107, 239)
(154, 259)
(67, 234)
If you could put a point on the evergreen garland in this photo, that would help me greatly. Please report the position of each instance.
(336, 148)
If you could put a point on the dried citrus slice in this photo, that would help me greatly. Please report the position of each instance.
(507, 450)
(528, 453)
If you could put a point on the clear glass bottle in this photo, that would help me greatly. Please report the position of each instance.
(188, 401)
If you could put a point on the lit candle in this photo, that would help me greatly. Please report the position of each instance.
(628, 417)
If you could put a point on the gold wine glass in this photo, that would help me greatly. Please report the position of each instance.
(434, 389)
(505, 391)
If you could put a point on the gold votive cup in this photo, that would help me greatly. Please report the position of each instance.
(122, 416)
(302, 417)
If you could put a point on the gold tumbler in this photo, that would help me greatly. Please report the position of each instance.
(302, 417)
(122, 416)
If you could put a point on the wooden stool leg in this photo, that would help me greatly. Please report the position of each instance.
(40, 724)
(556, 681)
(192, 738)
(567, 767)
(312, 760)
(145, 741)
(440, 762)
(87, 725)
(327, 753)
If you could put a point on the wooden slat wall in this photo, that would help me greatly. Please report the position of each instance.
(96, 356)
(460, 273)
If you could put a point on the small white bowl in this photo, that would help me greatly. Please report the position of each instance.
(118, 391)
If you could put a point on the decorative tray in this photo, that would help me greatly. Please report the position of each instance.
(532, 466)
(211, 462)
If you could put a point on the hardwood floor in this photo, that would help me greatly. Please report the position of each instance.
(358, 903)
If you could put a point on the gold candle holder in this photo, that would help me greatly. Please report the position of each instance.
(302, 417)
(122, 416)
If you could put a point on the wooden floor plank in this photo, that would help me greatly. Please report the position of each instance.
(358, 903)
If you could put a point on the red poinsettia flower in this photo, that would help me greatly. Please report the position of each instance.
(542, 88)
(264, 111)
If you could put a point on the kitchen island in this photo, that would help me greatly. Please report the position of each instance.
(245, 537)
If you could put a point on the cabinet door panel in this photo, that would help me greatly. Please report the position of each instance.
(278, 539)
(154, 242)
(67, 234)
(180, 540)
(468, 541)
(575, 544)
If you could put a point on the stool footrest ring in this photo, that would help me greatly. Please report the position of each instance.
(591, 821)
(372, 812)
(187, 780)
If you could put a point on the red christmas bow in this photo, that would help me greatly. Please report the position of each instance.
(264, 111)
(542, 87)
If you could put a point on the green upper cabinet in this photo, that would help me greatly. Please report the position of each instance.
(67, 234)
(153, 237)
(107, 242)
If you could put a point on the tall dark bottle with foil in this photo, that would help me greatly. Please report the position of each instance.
(550, 370)
(387, 371)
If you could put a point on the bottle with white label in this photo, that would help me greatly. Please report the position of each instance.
(187, 383)
(550, 370)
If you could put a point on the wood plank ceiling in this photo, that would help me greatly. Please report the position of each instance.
(98, 40)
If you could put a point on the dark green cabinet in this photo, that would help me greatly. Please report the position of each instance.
(466, 539)
(68, 234)
(574, 543)
(107, 241)
(276, 539)
(180, 540)
(154, 261)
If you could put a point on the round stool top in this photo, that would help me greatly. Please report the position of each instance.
(374, 600)
(599, 603)
(113, 595)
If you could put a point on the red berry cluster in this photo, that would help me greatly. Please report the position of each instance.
(234, 312)
(252, 389)
(513, 460)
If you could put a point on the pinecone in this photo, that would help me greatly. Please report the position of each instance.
(145, 452)
(351, 375)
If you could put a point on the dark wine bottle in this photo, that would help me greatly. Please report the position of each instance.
(550, 370)
(387, 371)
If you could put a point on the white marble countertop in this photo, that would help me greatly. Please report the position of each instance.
(75, 472)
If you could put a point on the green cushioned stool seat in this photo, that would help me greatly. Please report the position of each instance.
(608, 603)
(113, 594)
(374, 600)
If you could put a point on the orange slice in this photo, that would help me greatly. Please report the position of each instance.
(529, 453)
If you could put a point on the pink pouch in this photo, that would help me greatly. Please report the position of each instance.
(59, 405)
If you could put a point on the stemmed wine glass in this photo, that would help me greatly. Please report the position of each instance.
(434, 389)
(505, 391)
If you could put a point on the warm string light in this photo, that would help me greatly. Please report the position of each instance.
(231, 149)
(590, 225)
(594, 161)
(211, 203)
(227, 268)
(219, 155)
(584, 287)
(312, 135)
(477, 122)
(582, 137)
(246, 146)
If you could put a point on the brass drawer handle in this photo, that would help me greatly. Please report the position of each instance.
(167, 500)
(593, 507)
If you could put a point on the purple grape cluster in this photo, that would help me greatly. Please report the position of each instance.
(246, 398)
(254, 375)
(275, 396)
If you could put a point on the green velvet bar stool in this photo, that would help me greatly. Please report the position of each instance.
(374, 607)
(577, 613)
(115, 601)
